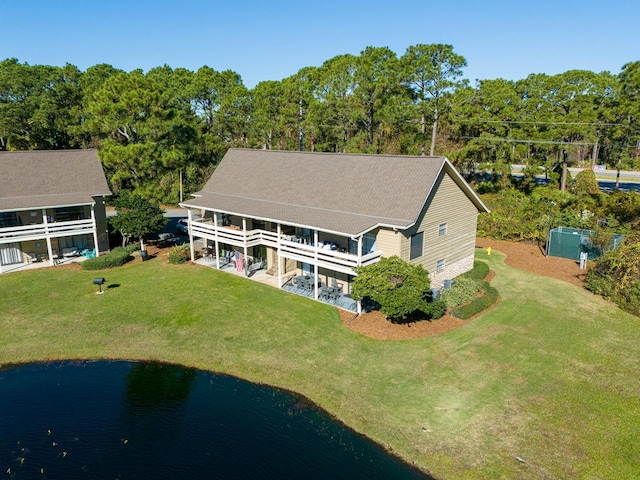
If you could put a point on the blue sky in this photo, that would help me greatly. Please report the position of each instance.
(271, 40)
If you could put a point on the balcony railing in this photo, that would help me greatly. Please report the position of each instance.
(41, 230)
(331, 259)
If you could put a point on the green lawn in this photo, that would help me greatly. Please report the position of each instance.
(549, 376)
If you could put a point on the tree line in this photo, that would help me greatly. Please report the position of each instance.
(154, 128)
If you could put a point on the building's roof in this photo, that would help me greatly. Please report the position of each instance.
(50, 178)
(342, 193)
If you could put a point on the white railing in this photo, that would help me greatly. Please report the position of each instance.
(331, 259)
(42, 230)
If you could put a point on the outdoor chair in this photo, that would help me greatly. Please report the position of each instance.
(32, 257)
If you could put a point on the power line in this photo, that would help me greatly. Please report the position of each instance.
(601, 124)
(514, 140)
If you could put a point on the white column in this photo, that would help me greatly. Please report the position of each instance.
(95, 230)
(316, 273)
(244, 242)
(215, 239)
(47, 237)
(193, 253)
(278, 254)
(358, 304)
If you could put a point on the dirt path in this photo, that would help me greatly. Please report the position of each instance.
(524, 256)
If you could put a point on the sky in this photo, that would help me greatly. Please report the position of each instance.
(271, 40)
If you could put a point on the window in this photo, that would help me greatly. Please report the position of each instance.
(8, 219)
(442, 230)
(368, 244)
(440, 265)
(416, 245)
(67, 214)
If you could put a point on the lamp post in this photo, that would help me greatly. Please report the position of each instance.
(551, 205)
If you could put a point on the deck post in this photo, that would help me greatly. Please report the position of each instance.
(45, 221)
(95, 230)
(215, 239)
(244, 244)
(279, 257)
(193, 254)
(316, 270)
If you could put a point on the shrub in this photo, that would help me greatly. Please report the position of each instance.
(463, 290)
(116, 257)
(435, 309)
(616, 275)
(478, 304)
(133, 247)
(479, 271)
(180, 254)
(399, 287)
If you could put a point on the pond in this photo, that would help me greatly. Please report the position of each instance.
(133, 420)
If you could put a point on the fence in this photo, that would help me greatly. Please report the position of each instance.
(568, 242)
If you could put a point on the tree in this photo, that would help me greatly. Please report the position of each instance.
(147, 134)
(399, 287)
(616, 275)
(136, 217)
(430, 71)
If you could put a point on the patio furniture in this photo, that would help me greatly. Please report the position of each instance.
(324, 292)
(70, 252)
(31, 257)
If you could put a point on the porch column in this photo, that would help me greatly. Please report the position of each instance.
(316, 273)
(215, 238)
(95, 230)
(244, 245)
(360, 250)
(45, 221)
(278, 254)
(193, 254)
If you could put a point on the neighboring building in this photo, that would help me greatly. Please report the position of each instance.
(327, 214)
(51, 205)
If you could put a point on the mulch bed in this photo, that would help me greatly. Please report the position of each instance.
(525, 256)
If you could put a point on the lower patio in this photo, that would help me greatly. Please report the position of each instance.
(343, 301)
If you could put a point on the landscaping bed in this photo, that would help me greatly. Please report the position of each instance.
(524, 256)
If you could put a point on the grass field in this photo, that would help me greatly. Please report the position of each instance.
(545, 385)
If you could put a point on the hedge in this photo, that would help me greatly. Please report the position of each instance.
(116, 257)
(479, 271)
(478, 304)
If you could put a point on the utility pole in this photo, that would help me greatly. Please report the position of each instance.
(563, 179)
(300, 122)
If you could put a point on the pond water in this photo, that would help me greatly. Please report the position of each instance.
(130, 420)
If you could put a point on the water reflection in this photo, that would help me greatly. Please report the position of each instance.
(158, 385)
(107, 420)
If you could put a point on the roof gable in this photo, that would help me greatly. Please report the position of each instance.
(45, 178)
(336, 192)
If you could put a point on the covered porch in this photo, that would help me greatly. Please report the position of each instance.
(331, 295)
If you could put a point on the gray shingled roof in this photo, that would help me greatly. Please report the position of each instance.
(48, 178)
(341, 193)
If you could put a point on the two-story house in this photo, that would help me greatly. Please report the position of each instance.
(51, 206)
(325, 214)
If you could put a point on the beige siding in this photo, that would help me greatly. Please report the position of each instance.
(449, 205)
(388, 242)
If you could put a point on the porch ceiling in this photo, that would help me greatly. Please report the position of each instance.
(326, 219)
